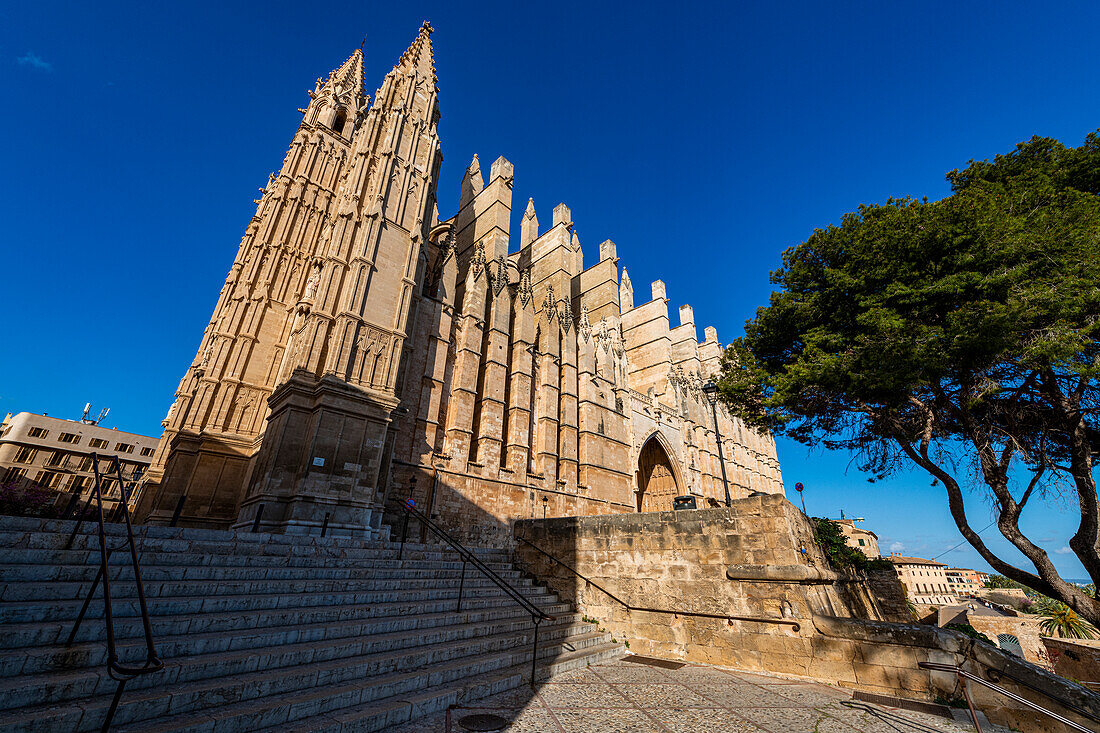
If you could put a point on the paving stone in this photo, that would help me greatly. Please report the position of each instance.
(668, 695)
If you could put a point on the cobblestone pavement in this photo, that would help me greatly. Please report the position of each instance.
(630, 697)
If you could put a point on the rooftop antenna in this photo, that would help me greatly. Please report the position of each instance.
(87, 409)
(102, 416)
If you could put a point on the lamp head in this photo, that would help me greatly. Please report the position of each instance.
(710, 389)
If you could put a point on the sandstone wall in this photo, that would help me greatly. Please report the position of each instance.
(756, 564)
(756, 559)
(1075, 658)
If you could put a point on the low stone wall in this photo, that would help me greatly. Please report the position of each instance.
(481, 511)
(1075, 658)
(757, 559)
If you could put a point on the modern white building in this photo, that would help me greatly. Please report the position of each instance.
(57, 454)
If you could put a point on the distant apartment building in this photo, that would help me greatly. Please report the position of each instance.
(924, 580)
(861, 539)
(963, 581)
(57, 454)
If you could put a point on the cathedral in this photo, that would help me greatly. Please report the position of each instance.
(364, 350)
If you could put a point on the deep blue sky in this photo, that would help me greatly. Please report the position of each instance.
(703, 139)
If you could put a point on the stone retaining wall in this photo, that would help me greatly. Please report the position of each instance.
(758, 559)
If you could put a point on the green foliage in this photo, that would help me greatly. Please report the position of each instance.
(1000, 581)
(29, 500)
(971, 632)
(951, 702)
(840, 554)
(936, 333)
(1061, 620)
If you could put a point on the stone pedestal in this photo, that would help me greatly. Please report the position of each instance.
(210, 470)
(322, 454)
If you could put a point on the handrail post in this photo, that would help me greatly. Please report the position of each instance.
(535, 647)
(259, 518)
(150, 648)
(405, 528)
(120, 673)
(461, 582)
(969, 702)
(179, 510)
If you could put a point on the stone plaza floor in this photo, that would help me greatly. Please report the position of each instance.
(627, 696)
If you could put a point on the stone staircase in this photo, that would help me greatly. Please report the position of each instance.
(263, 631)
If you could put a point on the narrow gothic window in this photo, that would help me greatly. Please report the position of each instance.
(338, 123)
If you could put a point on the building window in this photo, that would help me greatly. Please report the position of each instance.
(124, 448)
(69, 438)
(147, 451)
(38, 432)
(25, 455)
(49, 479)
(57, 459)
(14, 474)
(78, 483)
(861, 543)
(339, 122)
(97, 443)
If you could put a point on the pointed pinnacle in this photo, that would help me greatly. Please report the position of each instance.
(418, 57)
(529, 212)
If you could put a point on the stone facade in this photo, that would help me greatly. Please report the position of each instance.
(924, 580)
(361, 341)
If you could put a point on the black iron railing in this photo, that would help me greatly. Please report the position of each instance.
(672, 611)
(122, 673)
(537, 614)
(963, 676)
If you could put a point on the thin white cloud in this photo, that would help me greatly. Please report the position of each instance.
(1064, 550)
(897, 547)
(33, 60)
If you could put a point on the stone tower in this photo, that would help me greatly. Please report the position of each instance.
(287, 403)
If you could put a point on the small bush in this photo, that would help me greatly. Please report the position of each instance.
(971, 632)
(840, 554)
(28, 500)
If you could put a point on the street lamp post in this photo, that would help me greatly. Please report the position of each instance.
(711, 391)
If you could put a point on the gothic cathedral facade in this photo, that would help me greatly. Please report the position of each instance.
(363, 351)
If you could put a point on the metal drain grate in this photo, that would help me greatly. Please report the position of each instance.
(482, 722)
(917, 706)
(662, 663)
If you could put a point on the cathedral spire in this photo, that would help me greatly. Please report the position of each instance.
(345, 84)
(418, 58)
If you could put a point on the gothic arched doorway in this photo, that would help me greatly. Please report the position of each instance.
(656, 478)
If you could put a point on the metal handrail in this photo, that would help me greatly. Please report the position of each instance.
(537, 614)
(962, 674)
(117, 671)
(996, 674)
(728, 617)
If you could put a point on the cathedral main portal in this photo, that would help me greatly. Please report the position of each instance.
(656, 478)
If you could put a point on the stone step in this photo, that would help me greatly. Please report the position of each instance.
(26, 611)
(29, 532)
(177, 566)
(156, 588)
(38, 547)
(60, 685)
(255, 699)
(400, 709)
(170, 646)
(33, 634)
